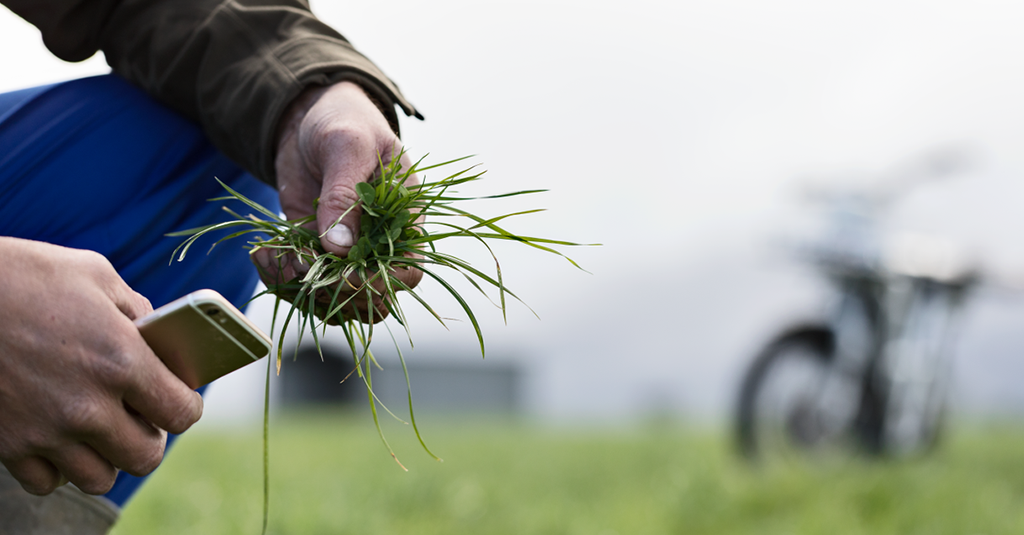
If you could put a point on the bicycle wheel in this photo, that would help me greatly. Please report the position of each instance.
(793, 403)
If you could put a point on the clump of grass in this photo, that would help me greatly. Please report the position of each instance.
(402, 225)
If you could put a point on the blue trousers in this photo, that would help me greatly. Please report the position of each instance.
(97, 164)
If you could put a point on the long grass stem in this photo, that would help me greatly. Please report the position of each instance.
(397, 216)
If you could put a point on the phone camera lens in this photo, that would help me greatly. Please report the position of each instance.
(212, 311)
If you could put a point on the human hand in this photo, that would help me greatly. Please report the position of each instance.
(82, 395)
(330, 139)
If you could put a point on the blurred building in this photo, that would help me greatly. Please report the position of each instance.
(467, 387)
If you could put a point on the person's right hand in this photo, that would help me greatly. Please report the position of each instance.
(81, 394)
(330, 139)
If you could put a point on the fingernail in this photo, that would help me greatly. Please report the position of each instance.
(199, 400)
(340, 236)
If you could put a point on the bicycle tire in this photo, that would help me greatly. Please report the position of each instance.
(818, 342)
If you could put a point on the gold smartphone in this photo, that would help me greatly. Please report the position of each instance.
(202, 336)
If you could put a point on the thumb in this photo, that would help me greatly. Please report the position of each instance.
(339, 211)
(338, 214)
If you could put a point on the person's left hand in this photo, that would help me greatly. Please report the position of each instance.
(330, 139)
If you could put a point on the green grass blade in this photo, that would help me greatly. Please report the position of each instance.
(408, 390)
(463, 303)
(266, 448)
(251, 203)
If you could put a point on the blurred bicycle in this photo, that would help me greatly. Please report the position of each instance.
(873, 376)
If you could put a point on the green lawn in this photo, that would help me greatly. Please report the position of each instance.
(331, 475)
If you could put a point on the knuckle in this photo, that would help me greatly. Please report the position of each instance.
(32, 442)
(338, 198)
(333, 136)
(39, 487)
(182, 416)
(95, 264)
(97, 484)
(391, 147)
(17, 445)
(146, 459)
(114, 366)
(339, 132)
(34, 475)
(84, 417)
(410, 276)
(101, 271)
(143, 304)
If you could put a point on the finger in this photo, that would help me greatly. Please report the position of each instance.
(128, 301)
(84, 467)
(409, 276)
(360, 307)
(160, 396)
(35, 474)
(133, 304)
(263, 259)
(297, 190)
(353, 290)
(131, 444)
(298, 185)
(269, 266)
(337, 215)
(351, 304)
(353, 163)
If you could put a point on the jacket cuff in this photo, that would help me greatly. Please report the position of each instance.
(235, 66)
(279, 79)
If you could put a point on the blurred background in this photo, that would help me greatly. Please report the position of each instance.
(687, 138)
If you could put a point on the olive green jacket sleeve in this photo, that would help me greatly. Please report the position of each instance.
(231, 65)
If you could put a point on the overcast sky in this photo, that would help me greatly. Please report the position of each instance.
(695, 114)
(677, 132)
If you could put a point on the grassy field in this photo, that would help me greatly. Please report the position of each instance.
(331, 475)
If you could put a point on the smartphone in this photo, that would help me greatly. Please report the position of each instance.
(202, 336)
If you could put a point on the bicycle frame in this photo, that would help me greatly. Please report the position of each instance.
(891, 359)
